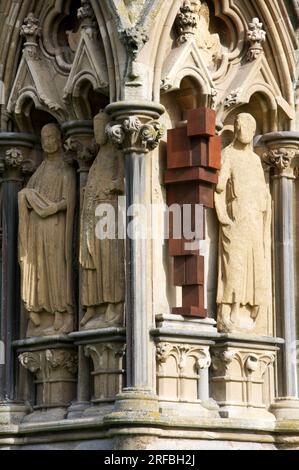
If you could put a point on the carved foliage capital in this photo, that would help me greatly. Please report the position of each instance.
(181, 353)
(14, 158)
(133, 135)
(15, 165)
(280, 159)
(83, 152)
(45, 363)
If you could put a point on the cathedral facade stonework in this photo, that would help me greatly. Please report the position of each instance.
(149, 224)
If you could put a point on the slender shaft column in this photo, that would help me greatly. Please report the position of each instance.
(81, 147)
(283, 147)
(136, 132)
(14, 151)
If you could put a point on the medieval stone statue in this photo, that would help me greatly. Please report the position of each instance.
(243, 205)
(102, 259)
(46, 211)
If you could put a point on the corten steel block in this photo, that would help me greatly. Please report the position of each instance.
(191, 193)
(179, 153)
(180, 248)
(188, 270)
(201, 121)
(197, 312)
(195, 270)
(214, 153)
(199, 150)
(185, 175)
(183, 220)
(193, 296)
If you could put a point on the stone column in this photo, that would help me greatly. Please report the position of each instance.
(80, 146)
(282, 148)
(136, 132)
(14, 152)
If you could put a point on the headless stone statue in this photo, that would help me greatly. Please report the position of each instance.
(46, 211)
(102, 260)
(243, 205)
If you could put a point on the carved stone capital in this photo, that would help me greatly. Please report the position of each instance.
(181, 353)
(134, 39)
(280, 159)
(83, 152)
(55, 375)
(133, 135)
(186, 22)
(255, 36)
(14, 158)
(15, 165)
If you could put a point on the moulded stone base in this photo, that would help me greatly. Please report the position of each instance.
(77, 409)
(187, 410)
(241, 412)
(46, 415)
(135, 405)
(286, 408)
(12, 413)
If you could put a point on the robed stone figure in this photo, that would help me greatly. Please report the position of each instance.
(46, 212)
(243, 205)
(102, 259)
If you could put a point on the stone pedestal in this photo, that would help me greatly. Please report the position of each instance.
(104, 351)
(242, 376)
(53, 362)
(183, 361)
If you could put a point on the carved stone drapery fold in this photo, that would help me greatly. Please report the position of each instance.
(134, 136)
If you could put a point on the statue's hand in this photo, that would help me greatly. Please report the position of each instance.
(48, 211)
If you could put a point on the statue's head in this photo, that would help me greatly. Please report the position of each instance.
(245, 128)
(51, 139)
(101, 121)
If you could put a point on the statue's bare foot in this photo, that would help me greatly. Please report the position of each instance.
(90, 313)
(58, 322)
(254, 312)
(68, 324)
(35, 318)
